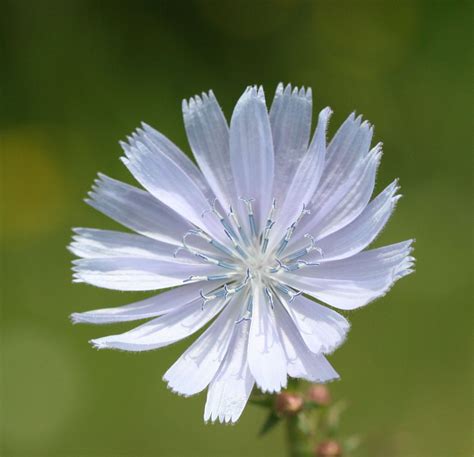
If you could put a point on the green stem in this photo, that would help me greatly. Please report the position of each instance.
(299, 444)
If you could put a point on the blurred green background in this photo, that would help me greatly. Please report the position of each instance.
(77, 76)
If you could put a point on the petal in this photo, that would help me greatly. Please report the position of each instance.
(208, 135)
(96, 243)
(346, 204)
(156, 140)
(302, 363)
(138, 210)
(196, 368)
(356, 236)
(322, 329)
(347, 157)
(170, 182)
(356, 281)
(131, 273)
(301, 188)
(150, 307)
(251, 153)
(290, 120)
(230, 390)
(266, 356)
(350, 144)
(164, 330)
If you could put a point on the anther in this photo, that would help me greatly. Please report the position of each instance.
(197, 253)
(302, 252)
(218, 262)
(248, 312)
(228, 230)
(290, 230)
(297, 265)
(278, 268)
(268, 226)
(269, 296)
(177, 250)
(212, 209)
(193, 278)
(205, 298)
(248, 204)
(213, 242)
(290, 292)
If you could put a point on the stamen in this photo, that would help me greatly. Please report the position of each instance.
(225, 290)
(248, 312)
(228, 230)
(290, 230)
(297, 265)
(269, 295)
(213, 242)
(248, 203)
(185, 247)
(270, 223)
(193, 278)
(207, 298)
(201, 255)
(278, 268)
(286, 290)
(302, 252)
(218, 262)
(241, 231)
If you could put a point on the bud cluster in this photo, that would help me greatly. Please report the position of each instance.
(312, 420)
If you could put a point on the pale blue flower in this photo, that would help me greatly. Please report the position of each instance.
(267, 220)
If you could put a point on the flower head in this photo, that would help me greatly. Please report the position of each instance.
(329, 448)
(268, 222)
(288, 404)
(319, 394)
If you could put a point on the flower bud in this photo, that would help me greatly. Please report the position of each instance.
(320, 394)
(288, 404)
(329, 448)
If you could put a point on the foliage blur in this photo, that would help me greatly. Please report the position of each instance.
(79, 75)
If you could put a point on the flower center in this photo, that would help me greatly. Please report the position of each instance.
(250, 258)
(257, 265)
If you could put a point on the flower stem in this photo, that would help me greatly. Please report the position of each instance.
(299, 444)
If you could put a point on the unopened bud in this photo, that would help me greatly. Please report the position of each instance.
(288, 404)
(320, 394)
(329, 448)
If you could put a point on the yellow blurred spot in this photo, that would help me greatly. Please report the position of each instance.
(32, 186)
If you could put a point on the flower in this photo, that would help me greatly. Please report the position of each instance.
(266, 221)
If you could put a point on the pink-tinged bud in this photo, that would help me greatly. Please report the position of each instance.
(288, 404)
(320, 394)
(329, 448)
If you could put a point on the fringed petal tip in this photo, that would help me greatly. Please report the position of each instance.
(189, 106)
(325, 113)
(288, 90)
(173, 389)
(85, 318)
(330, 349)
(272, 390)
(75, 318)
(404, 267)
(225, 420)
(253, 91)
(98, 344)
(77, 278)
